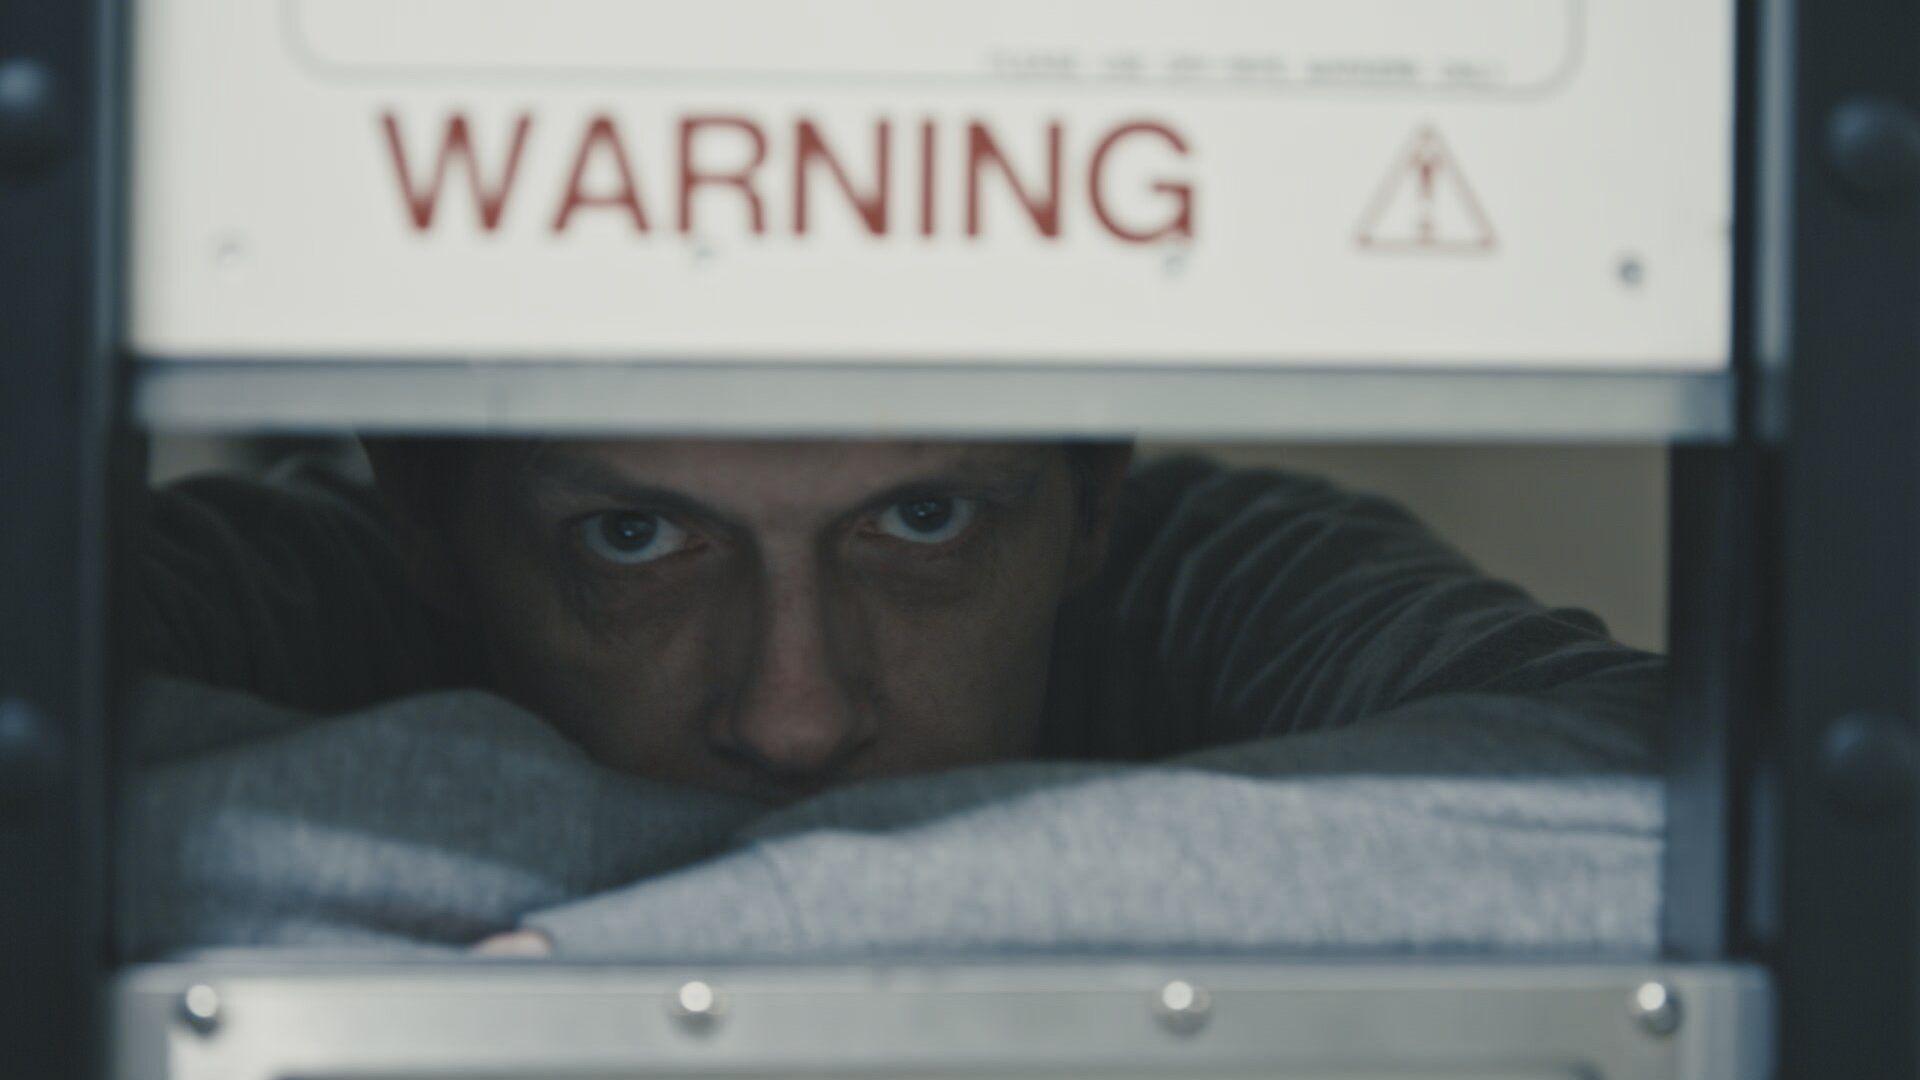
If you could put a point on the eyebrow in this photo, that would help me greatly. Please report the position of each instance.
(1008, 483)
(1006, 480)
(542, 472)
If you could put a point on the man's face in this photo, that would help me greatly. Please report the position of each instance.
(769, 618)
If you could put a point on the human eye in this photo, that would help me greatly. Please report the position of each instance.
(631, 537)
(931, 520)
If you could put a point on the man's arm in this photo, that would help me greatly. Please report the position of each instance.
(290, 588)
(1239, 604)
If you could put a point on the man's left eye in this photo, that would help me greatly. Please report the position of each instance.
(928, 521)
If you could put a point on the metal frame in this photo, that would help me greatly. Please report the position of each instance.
(1717, 598)
(54, 409)
(1793, 833)
(1148, 1017)
(1714, 601)
(1844, 347)
(810, 398)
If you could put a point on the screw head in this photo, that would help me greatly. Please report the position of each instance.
(29, 755)
(1873, 145)
(1182, 1007)
(32, 115)
(1655, 1008)
(696, 1005)
(200, 1008)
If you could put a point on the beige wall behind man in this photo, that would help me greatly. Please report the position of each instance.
(1583, 526)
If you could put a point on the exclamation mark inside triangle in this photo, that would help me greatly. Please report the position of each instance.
(1424, 204)
(1427, 165)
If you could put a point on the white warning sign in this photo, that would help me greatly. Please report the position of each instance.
(1161, 183)
(1425, 204)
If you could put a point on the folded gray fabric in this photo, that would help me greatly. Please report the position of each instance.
(441, 818)
(437, 818)
(1326, 841)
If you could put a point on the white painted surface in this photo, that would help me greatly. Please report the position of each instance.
(1594, 136)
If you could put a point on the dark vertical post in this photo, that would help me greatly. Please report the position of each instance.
(1715, 716)
(52, 439)
(1847, 338)
(1716, 545)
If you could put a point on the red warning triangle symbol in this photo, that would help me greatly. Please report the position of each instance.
(1425, 204)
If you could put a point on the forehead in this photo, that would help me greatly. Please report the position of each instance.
(749, 478)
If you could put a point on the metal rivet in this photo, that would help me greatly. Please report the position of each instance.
(200, 1008)
(32, 127)
(1655, 1008)
(1868, 765)
(1874, 146)
(1182, 1007)
(697, 1005)
(29, 754)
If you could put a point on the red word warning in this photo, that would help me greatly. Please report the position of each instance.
(1425, 204)
(774, 176)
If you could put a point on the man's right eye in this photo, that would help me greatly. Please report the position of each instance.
(629, 538)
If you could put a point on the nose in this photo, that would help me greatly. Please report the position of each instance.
(799, 714)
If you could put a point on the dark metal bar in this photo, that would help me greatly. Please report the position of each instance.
(1715, 636)
(52, 475)
(1714, 603)
(1848, 946)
